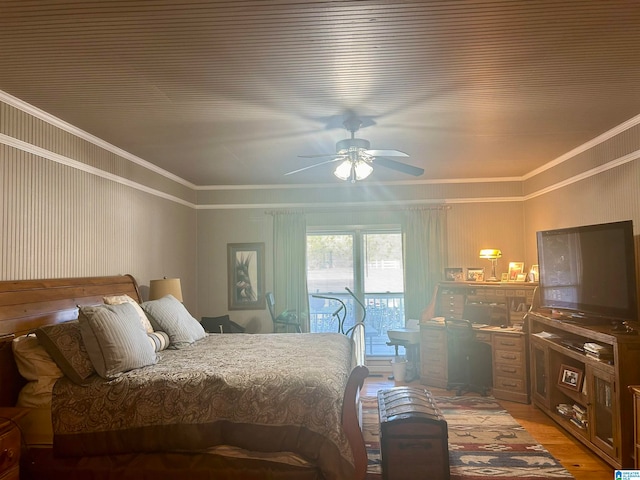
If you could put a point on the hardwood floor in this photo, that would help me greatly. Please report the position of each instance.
(575, 457)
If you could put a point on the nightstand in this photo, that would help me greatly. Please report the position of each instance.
(10, 442)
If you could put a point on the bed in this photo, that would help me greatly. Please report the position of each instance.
(249, 406)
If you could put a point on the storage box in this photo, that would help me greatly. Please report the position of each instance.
(413, 435)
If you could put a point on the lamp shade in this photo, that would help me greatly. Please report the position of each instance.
(490, 253)
(343, 171)
(165, 286)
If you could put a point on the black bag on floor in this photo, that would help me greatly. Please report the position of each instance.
(222, 324)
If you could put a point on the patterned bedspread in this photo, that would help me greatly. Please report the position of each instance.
(266, 393)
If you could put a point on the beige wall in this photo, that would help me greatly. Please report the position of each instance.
(216, 229)
(69, 209)
(605, 189)
(72, 205)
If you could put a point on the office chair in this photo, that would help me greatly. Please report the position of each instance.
(478, 313)
(286, 319)
(469, 360)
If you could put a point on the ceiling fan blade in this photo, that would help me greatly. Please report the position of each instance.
(314, 165)
(386, 153)
(318, 155)
(399, 166)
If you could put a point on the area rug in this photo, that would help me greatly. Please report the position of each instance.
(485, 442)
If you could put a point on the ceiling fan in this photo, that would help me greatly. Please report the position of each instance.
(357, 159)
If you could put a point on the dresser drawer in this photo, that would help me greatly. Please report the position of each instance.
(508, 342)
(516, 385)
(9, 449)
(12, 474)
(509, 357)
(484, 337)
(507, 370)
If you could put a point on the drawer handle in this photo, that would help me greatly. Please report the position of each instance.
(508, 344)
(414, 445)
(508, 370)
(507, 384)
(6, 455)
(509, 357)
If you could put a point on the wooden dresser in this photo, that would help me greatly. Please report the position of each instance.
(10, 443)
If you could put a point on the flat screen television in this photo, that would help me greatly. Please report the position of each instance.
(589, 272)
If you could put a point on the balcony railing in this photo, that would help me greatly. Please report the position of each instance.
(384, 311)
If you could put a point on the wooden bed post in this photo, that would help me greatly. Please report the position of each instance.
(351, 419)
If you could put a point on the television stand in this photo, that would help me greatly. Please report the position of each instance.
(584, 391)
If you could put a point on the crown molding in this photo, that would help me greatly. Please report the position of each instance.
(67, 127)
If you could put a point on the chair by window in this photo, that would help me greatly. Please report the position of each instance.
(286, 321)
(469, 360)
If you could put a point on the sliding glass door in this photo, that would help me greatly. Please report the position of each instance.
(345, 267)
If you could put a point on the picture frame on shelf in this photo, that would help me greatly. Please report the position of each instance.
(570, 377)
(245, 271)
(534, 273)
(515, 269)
(504, 277)
(521, 277)
(453, 274)
(475, 274)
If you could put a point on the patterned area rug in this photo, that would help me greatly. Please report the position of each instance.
(485, 442)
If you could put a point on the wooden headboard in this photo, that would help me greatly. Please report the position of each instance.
(28, 304)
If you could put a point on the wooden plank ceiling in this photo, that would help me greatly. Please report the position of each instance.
(231, 92)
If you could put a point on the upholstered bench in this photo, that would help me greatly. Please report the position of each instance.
(413, 435)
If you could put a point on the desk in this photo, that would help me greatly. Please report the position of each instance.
(509, 358)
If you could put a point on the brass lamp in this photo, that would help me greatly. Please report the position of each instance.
(492, 254)
(165, 286)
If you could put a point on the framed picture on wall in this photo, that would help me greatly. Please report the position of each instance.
(245, 271)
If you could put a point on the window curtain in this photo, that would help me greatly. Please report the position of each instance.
(424, 236)
(290, 265)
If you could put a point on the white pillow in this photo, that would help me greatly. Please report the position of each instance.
(168, 315)
(36, 366)
(120, 299)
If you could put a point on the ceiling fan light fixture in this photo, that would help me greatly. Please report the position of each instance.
(363, 170)
(353, 170)
(343, 171)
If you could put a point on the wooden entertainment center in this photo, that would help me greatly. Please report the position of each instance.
(585, 392)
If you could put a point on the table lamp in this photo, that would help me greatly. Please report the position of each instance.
(165, 286)
(492, 254)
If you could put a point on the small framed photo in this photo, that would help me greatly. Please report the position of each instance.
(521, 277)
(504, 277)
(475, 274)
(453, 274)
(515, 269)
(570, 377)
(534, 273)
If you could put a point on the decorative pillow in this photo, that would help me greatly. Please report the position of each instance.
(159, 340)
(119, 299)
(63, 341)
(169, 315)
(115, 339)
(36, 366)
